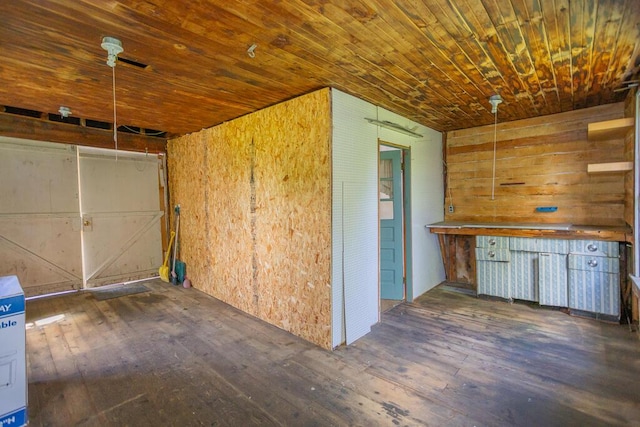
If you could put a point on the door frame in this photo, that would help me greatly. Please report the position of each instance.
(406, 217)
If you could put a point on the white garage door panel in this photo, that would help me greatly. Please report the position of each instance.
(122, 248)
(128, 184)
(73, 214)
(37, 177)
(120, 209)
(39, 216)
(43, 252)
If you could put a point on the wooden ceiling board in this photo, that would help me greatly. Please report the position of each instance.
(435, 81)
(620, 44)
(434, 61)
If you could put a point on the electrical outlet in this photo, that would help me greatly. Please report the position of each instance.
(450, 208)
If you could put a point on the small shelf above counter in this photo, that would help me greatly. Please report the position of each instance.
(557, 231)
(609, 129)
(609, 167)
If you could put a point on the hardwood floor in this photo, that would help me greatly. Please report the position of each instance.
(177, 357)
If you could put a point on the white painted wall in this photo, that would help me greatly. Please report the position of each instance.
(427, 197)
(355, 228)
(354, 219)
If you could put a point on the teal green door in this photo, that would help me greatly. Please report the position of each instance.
(391, 256)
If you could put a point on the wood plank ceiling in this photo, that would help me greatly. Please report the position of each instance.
(434, 61)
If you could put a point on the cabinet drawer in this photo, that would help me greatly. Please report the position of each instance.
(527, 244)
(594, 263)
(595, 247)
(492, 242)
(490, 254)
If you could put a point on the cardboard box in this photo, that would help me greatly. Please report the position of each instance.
(13, 362)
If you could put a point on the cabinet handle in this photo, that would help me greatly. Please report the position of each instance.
(492, 242)
(492, 254)
(592, 263)
(591, 247)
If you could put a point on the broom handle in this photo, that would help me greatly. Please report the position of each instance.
(175, 247)
(166, 258)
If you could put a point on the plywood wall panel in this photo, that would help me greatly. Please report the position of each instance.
(185, 163)
(228, 236)
(539, 162)
(265, 192)
(293, 225)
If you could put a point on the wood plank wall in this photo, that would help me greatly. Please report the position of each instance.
(539, 162)
(255, 196)
(629, 296)
(629, 150)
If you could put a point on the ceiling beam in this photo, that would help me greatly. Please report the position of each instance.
(15, 126)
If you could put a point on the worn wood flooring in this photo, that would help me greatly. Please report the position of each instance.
(177, 357)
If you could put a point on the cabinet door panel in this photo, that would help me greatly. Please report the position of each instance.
(552, 280)
(524, 275)
(493, 278)
(594, 291)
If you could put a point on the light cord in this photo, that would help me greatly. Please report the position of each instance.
(495, 137)
(115, 126)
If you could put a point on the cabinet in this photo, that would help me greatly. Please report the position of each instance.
(594, 277)
(579, 274)
(534, 267)
(492, 266)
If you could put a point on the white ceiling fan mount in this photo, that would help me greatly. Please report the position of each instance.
(113, 46)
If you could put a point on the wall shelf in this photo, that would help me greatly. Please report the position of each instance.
(609, 167)
(610, 129)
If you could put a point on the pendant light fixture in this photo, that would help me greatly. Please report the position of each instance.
(494, 100)
(113, 47)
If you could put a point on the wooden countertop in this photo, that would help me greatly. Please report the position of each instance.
(556, 231)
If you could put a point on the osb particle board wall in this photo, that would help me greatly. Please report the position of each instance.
(539, 162)
(255, 196)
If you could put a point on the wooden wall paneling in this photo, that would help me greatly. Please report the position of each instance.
(539, 162)
(629, 156)
(458, 256)
(465, 266)
(451, 259)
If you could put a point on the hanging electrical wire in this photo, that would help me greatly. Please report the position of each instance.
(113, 47)
(115, 124)
(156, 133)
(494, 100)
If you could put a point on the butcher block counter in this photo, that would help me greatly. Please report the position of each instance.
(514, 229)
